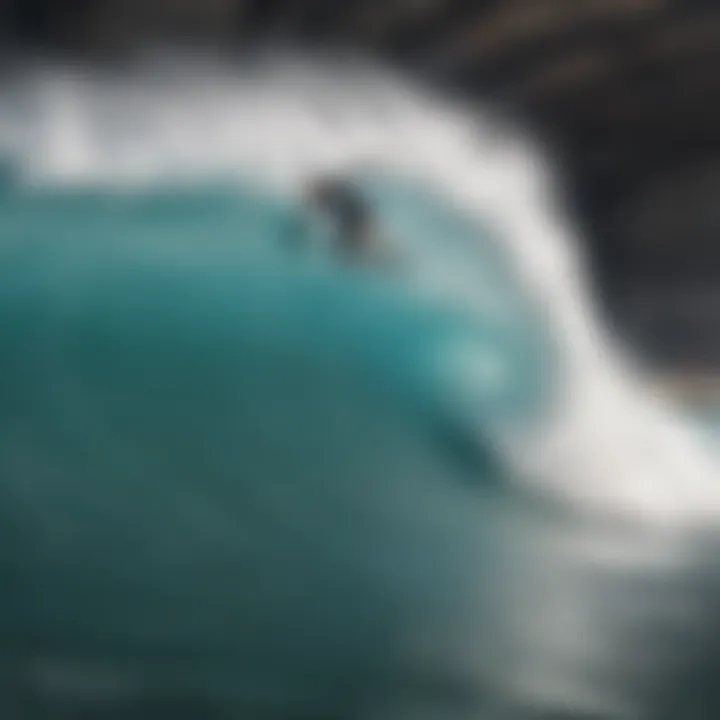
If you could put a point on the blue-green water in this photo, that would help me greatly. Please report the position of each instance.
(228, 457)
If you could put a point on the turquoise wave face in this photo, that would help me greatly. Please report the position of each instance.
(446, 312)
(224, 448)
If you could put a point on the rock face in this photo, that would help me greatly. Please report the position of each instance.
(670, 298)
(111, 25)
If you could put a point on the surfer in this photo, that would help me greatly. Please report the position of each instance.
(358, 236)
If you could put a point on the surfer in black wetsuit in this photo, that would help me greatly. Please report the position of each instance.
(350, 212)
(359, 239)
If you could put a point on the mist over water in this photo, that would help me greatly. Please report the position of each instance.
(612, 590)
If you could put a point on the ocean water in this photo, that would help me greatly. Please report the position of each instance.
(245, 477)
